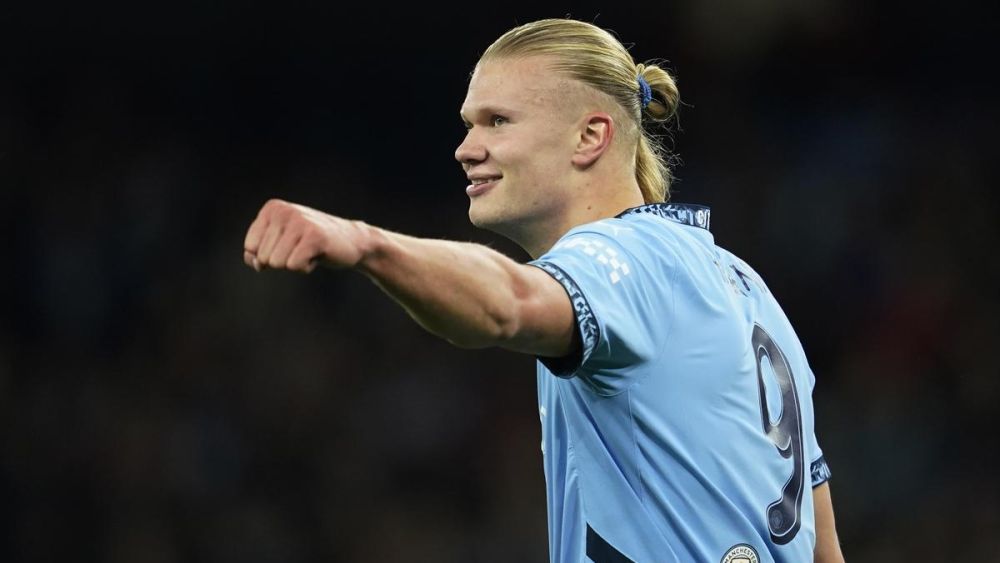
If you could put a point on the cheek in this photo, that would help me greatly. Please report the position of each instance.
(533, 162)
(548, 166)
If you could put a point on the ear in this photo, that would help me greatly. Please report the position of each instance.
(596, 132)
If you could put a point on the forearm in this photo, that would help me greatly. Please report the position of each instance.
(466, 293)
(827, 544)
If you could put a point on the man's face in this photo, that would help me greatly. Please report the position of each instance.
(521, 136)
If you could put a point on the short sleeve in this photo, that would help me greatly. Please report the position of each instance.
(621, 301)
(819, 470)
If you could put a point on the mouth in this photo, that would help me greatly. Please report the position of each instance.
(480, 186)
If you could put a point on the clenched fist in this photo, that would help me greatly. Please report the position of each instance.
(298, 238)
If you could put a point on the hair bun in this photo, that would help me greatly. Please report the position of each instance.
(665, 97)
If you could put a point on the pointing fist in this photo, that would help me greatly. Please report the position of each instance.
(298, 238)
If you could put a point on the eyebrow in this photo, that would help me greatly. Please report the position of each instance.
(488, 110)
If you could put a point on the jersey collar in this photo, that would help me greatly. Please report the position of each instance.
(690, 214)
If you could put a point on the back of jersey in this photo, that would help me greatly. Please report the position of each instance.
(693, 408)
(739, 381)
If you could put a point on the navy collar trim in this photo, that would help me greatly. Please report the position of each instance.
(690, 214)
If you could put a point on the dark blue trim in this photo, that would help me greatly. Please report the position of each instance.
(600, 551)
(820, 472)
(590, 331)
(690, 214)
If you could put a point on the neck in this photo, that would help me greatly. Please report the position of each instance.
(537, 239)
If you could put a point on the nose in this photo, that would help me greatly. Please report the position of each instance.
(470, 151)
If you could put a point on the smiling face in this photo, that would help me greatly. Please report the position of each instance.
(522, 132)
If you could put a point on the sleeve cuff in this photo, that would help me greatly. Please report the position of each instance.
(589, 331)
(820, 472)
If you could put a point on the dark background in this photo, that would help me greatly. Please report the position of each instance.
(163, 403)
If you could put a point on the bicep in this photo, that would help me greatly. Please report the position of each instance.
(827, 544)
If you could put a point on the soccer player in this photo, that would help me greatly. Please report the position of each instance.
(674, 395)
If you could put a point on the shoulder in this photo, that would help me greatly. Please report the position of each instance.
(612, 243)
(632, 234)
(657, 238)
(748, 276)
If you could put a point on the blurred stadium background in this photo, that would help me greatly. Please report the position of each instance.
(162, 403)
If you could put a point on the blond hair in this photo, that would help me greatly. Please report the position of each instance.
(593, 56)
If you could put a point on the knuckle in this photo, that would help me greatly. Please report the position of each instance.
(272, 207)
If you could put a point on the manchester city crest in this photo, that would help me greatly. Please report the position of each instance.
(741, 553)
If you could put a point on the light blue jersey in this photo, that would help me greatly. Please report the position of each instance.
(683, 430)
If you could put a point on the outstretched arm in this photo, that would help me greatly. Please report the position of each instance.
(469, 294)
(827, 545)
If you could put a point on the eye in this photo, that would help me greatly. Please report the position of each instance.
(497, 120)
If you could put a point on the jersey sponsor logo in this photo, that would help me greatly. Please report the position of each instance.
(741, 553)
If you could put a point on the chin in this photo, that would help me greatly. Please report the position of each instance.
(478, 214)
(485, 217)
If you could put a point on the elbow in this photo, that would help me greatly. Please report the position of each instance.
(507, 328)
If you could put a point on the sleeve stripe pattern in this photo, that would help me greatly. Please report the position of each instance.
(820, 472)
(590, 331)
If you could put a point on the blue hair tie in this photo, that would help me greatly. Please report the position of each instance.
(645, 91)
